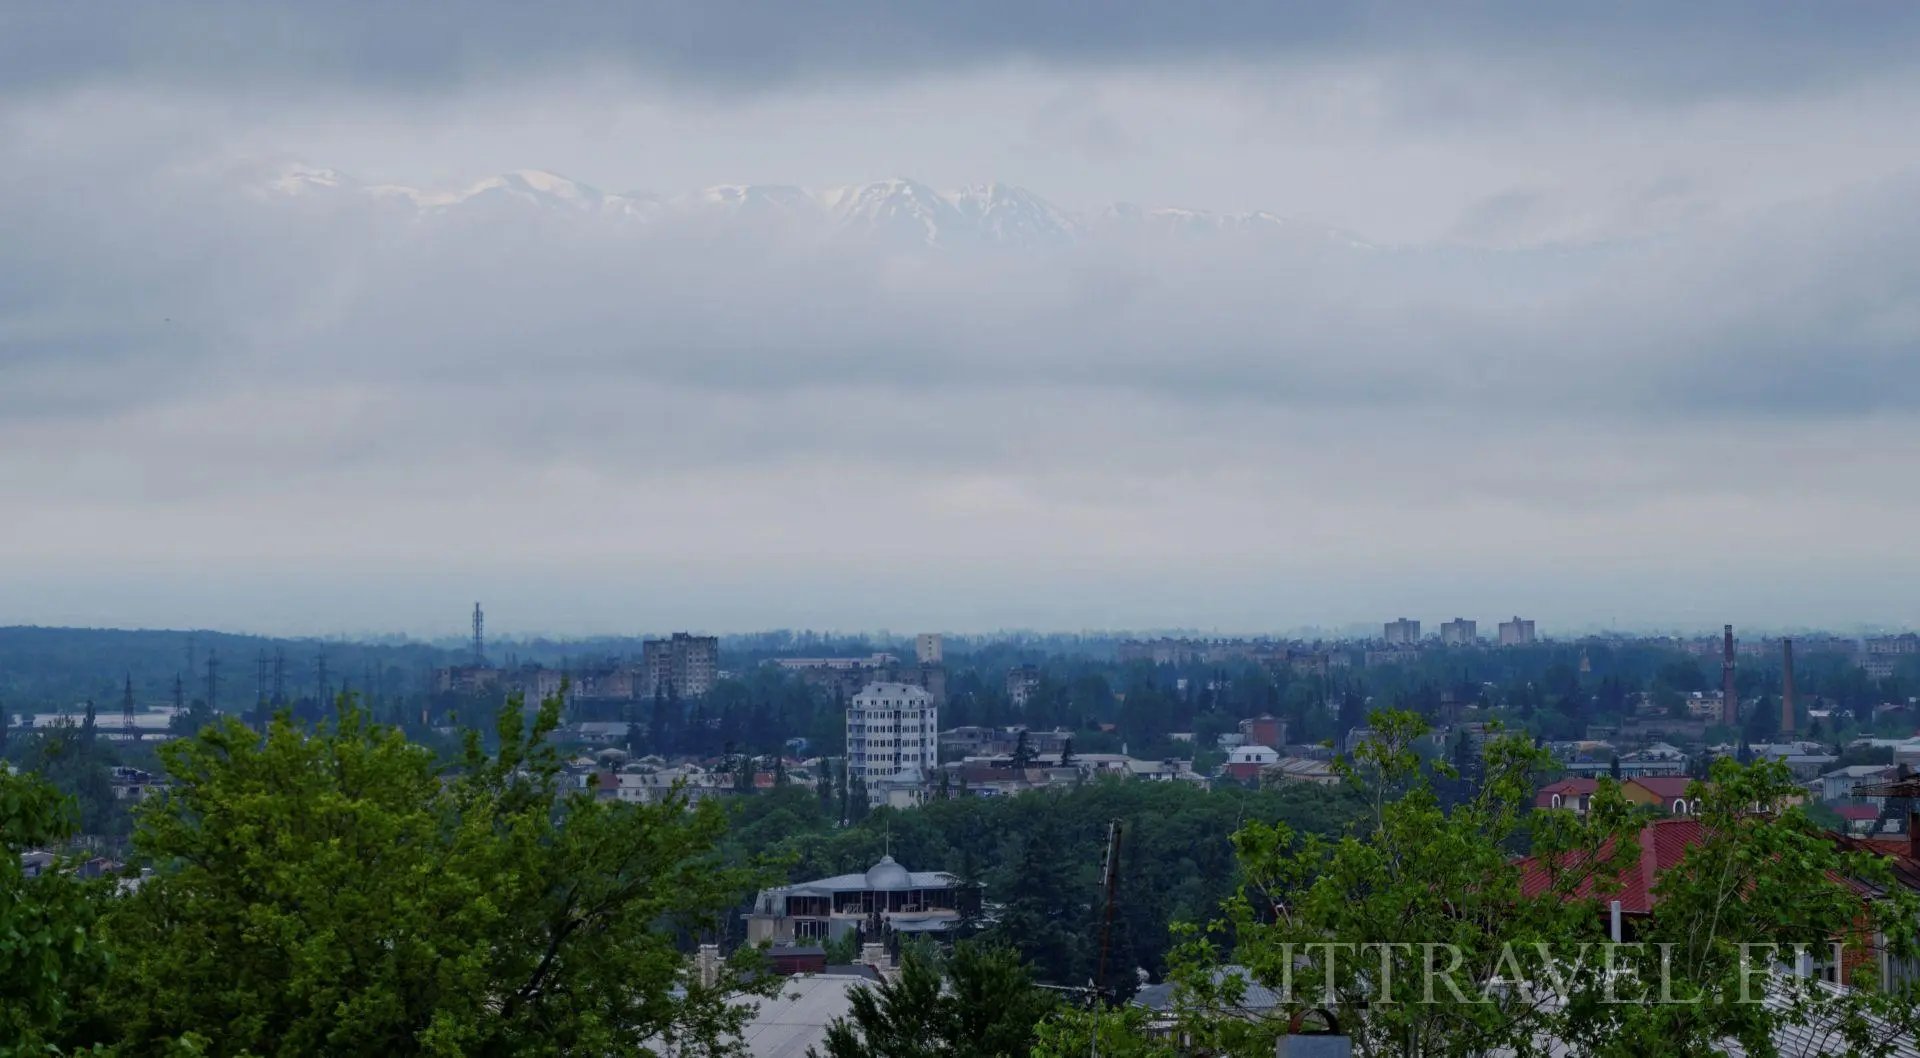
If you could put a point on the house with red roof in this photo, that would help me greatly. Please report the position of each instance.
(1573, 793)
(1664, 843)
(1667, 793)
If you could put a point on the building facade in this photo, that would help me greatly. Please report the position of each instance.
(885, 898)
(893, 733)
(927, 648)
(1516, 633)
(1402, 633)
(685, 665)
(1459, 632)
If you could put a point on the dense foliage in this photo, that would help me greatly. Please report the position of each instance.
(1040, 855)
(333, 892)
(977, 1002)
(50, 947)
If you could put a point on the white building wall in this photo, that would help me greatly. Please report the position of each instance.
(892, 729)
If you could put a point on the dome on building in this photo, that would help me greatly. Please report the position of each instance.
(888, 875)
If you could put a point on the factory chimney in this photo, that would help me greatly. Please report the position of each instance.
(1729, 702)
(1786, 695)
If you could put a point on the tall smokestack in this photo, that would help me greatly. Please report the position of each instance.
(1729, 703)
(1786, 696)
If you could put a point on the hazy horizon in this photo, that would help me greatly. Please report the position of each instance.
(1630, 335)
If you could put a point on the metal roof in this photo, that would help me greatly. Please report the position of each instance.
(788, 1025)
(858, 883)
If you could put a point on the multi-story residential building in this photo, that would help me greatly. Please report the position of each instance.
(1398, 655)
(927, 648)
(893, 732)
(1021, 683)
(1402, 633)
(685, 664)
(1459, 632)
(1516, 633)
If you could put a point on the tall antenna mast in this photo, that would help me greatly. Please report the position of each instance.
(479, 637)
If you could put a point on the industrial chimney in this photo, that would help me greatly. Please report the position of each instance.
(1729, 702)
(1786, 694)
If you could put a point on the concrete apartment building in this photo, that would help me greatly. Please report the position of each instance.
(1516, 633)
(686, 664)
(1402, 633)
(1459, 632)
(893, 738)
(928, 648)
(1021, 683)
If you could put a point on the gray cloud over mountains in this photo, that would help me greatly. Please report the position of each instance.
(1705, 47)
(1652, 337)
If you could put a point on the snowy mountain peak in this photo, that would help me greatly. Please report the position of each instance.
(897, 212)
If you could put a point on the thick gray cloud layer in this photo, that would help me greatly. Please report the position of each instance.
(1638, 333)
(1641, 47)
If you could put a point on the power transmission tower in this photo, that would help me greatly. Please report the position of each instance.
(213, 680)
(320, 666)
(179, 694)
(126, 709)
(279, 676)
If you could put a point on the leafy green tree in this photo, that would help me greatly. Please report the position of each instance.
(1123, 1032)
(1045, 903)
(1409, 874)
(332, 892)
(50, 944)
(986, 1007)
(1022, 751)
(1756, 885)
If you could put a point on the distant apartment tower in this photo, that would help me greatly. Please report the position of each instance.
(893, 737)
(685, 664)
(926, 648)
(1402, 633)
(1459, 632)
(1021, 683)
(1516, 633)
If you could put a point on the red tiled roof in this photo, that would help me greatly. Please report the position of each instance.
(1663, 843)
(1856, 812)
(1568, 789)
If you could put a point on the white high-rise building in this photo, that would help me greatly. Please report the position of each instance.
(893, 739)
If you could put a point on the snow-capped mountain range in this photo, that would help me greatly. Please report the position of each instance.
(896, 212)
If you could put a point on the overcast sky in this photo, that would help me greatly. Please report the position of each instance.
(1637, 343)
